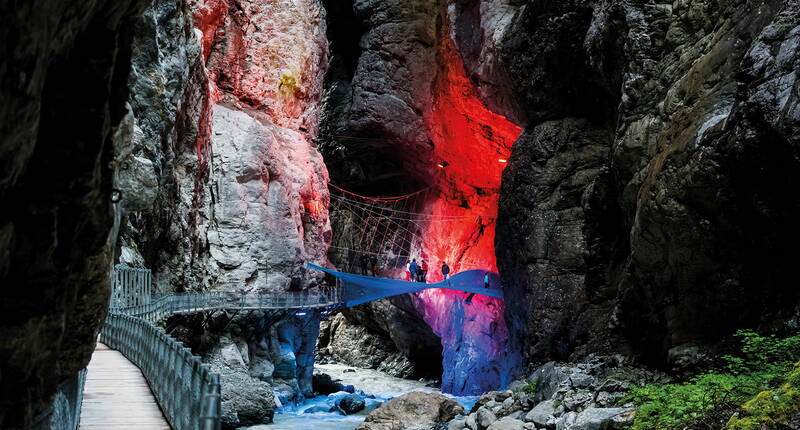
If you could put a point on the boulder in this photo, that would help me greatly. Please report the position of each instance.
(416, 410)
(603, 418)
(351, 404)
(322, 383)
(547, 379)
(458, 423)
(541, 412)
(581, 380)
(566, 421)
(485, 417)
(319, 409)
(507, 423)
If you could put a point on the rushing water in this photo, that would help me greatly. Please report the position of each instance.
(378, 384)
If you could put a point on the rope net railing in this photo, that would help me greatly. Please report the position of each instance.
(380, 231)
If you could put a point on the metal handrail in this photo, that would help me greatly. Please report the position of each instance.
(160, 307)
(187, 390)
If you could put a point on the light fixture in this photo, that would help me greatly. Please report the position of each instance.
(502, 160)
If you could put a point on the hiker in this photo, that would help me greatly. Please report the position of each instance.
(363, 260)
(423, 271)
(414, 269)
(408, 271)
(373, 264)
(445, 270)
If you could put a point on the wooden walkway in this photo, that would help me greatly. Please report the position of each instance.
(117, 395)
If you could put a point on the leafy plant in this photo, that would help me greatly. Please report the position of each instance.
(708, 401)
(530, 388)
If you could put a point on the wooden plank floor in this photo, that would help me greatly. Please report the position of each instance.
(117, 395)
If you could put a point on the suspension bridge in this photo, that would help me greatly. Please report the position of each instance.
(141, 377)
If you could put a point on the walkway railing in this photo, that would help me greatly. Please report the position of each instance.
(187, 390)
(159, 308)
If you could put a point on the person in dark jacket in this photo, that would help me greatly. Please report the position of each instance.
(445, 270)
(373, 264)
(423, 271)
(364, 260)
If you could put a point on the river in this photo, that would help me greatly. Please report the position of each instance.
(378, 384)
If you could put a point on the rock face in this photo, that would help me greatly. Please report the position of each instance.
(415, 410)
(245, 401)
(221, 129)
(399, 115)
(398, 341)
(59, 120)
(222, 186)
(642, 198)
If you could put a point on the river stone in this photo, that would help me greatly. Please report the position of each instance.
(581, 380)
(602, 418)
(566, 421)
(547, 379)
(351, 404)
(458, 423)
(472, 421)
(319, 409)
(485, 417)
(541, 412)
(416, 410)
(506, 423)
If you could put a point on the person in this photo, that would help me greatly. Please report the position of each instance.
(445, 270)
(414, 269)
(486, 280)
(408, 272)
(423, 271)
(363, 261)
(373, 263)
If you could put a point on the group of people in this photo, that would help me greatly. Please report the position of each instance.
(419, 272)
(369, 263)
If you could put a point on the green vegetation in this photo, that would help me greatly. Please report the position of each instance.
(761, 372)
(530, 388)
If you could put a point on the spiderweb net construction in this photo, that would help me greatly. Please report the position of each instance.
(382, 230)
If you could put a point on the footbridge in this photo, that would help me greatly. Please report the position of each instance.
(186, 390)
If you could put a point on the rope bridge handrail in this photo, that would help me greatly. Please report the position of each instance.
(358, 289)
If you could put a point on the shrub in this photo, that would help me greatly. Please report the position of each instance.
(708, 401)
(530, 388)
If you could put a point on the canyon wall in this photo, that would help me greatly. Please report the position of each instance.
(222, 186)
(62, 84)
(643, 208)
(401, 115)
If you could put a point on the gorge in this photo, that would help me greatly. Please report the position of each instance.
(622, 169)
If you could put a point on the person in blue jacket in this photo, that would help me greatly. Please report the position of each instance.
(414, 269)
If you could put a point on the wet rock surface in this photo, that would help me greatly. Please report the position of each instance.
(415, 410)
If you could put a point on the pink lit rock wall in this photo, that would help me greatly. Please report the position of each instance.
(265, 60)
